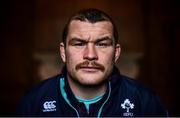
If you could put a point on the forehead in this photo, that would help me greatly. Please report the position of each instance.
(86, 30)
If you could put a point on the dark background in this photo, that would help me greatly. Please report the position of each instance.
(147, 27)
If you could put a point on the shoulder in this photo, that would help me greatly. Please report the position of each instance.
(44, 86)
(135, 85)
(144, 96)
(136, 88)
(126, 84)
(31, 101)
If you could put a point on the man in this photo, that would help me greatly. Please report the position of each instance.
(90, 84)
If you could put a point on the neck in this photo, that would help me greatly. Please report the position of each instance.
(86, 92)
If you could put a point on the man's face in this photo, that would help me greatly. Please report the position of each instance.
(90, 52)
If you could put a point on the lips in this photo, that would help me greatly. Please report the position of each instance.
(90, 69)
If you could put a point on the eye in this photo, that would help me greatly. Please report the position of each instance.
(79, 44)
(102, 44)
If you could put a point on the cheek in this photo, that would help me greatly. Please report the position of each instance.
(108, 58)
(73, 57)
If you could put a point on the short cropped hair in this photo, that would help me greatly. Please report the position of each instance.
(93, 16)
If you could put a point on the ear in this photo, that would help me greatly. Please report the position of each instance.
(62, 52)
(117, 51)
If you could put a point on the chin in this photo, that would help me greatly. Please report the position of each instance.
(91, 82)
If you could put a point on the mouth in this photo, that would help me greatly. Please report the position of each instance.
(90, 69)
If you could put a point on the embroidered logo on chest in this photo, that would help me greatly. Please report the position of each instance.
(49, 106)
(127, 105)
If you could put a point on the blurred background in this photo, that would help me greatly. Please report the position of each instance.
(31, 32)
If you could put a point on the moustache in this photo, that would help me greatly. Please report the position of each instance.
(90, 64)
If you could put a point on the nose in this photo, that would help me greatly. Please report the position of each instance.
(90, 52)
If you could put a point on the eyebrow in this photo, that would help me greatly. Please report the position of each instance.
(86, 41)
(106, 38)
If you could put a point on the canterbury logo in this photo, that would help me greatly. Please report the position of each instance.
(49, 106)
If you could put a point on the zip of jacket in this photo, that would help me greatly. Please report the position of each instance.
(63, 93)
